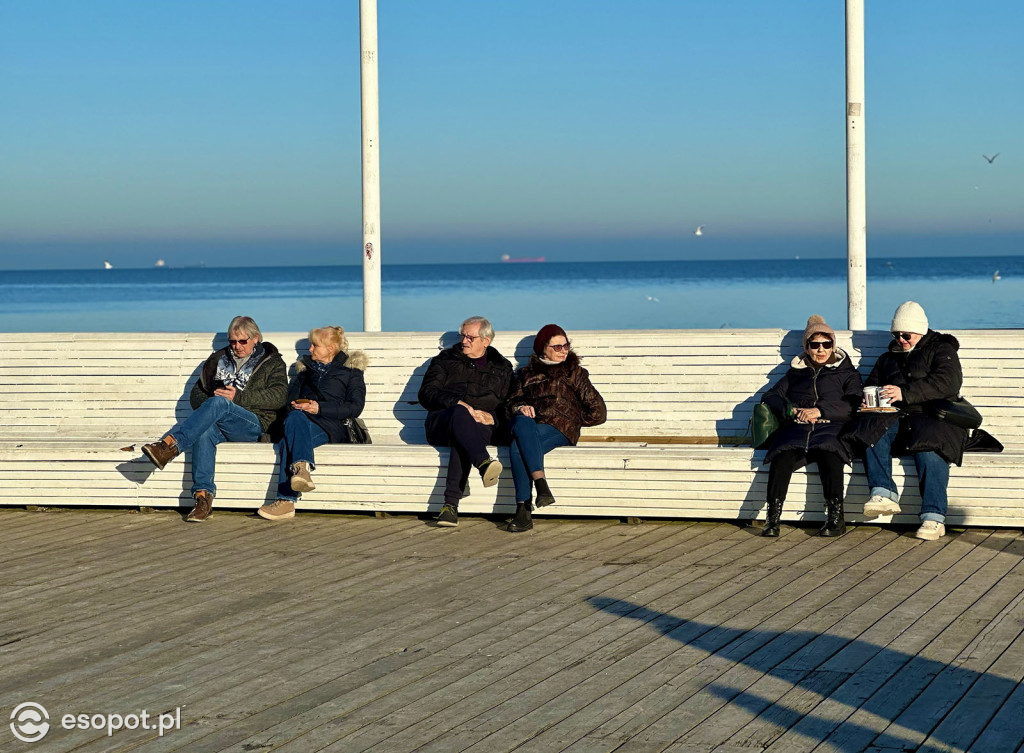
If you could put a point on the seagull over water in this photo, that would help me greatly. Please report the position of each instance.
(996, 276)
(699, 230)
(992, 158)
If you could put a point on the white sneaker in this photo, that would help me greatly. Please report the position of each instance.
(931, 530)
(879, 505)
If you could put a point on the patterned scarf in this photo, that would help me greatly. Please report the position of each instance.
(231, 376)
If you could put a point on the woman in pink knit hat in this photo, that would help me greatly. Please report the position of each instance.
(813, 399)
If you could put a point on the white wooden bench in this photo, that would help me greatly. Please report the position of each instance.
(75, 409)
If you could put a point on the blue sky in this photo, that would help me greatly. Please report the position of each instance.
(223, 131)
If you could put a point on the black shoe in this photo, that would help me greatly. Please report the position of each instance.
(771, 521)
(544, 495)
(449, 517)
(490, 469)
(523, 521)
(835, 521)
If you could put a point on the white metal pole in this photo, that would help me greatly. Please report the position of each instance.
(371, 165)
(856, 202)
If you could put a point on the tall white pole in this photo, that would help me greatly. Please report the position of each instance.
(371, 165)
(856, 201)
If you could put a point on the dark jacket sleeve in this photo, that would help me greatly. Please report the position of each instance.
(516, 396)
(840, 407)
(344, 398)
(944, 379)
(595, 412)
(776, 398)
(201, 392)
(437, 391)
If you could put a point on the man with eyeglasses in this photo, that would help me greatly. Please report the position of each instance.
(240, 389)
(920, 366)
(463, 391)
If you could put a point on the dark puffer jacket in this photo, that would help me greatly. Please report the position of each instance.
(834, 389)
(931, 371)
(340, 391)
(452, 376)
(561, 395)
(265, 392)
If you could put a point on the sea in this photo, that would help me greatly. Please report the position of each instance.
(956, 292)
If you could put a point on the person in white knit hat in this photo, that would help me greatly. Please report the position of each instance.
(920, 365)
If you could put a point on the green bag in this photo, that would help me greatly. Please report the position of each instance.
(763, 425)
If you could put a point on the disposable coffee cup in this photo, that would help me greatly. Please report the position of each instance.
(883, 402)
(870, 397)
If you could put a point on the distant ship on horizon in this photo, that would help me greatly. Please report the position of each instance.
(522, 259)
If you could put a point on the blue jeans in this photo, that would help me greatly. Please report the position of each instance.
(932, 475)
(531, 441)
(301, 435)
(216, 420)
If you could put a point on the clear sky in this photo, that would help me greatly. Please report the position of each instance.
(219, 130)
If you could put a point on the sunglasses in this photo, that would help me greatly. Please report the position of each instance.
(902, 336)
(819, 345)
(239, 342)
(563, 348)
(471, 338)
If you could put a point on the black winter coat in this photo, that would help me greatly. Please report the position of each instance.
(452, 376)
(931, 371)
(834, 389)
(340, 391)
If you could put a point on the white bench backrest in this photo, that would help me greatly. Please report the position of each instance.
(657, 383)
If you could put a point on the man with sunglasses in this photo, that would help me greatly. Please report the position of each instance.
(464, 391)
(920, 365)
(239, 391)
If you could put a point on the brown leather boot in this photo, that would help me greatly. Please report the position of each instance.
(203, 508)
(161, 453)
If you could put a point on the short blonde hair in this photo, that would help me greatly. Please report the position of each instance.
(332, 336)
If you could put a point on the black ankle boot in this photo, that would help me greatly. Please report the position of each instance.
(835, 521)
(771, 521)
(523, 521)
(544, 495)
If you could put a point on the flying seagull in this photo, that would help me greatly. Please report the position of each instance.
(996, 276)
(699, 230)
(992, 158)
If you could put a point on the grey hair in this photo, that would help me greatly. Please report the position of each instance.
(332, 336)
(486, 330)
(245, 324)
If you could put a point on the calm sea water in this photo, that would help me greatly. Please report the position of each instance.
(956, 293)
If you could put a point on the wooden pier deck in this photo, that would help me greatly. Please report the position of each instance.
(348, 633)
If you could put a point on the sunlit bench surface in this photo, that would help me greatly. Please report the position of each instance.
(75, 409)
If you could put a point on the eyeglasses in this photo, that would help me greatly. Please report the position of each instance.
(819, 345)
(563, 348)
(902, 335)
(239, 342)
(471, 338)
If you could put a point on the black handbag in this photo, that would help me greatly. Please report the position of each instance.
(957, 412)
(763, 424)
(357, 431)
(981, 441)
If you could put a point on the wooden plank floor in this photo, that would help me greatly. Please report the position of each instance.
(346, 633)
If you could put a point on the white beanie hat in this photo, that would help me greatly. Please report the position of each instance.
(910, 317)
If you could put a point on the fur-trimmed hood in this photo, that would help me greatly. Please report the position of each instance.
(357, 359)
